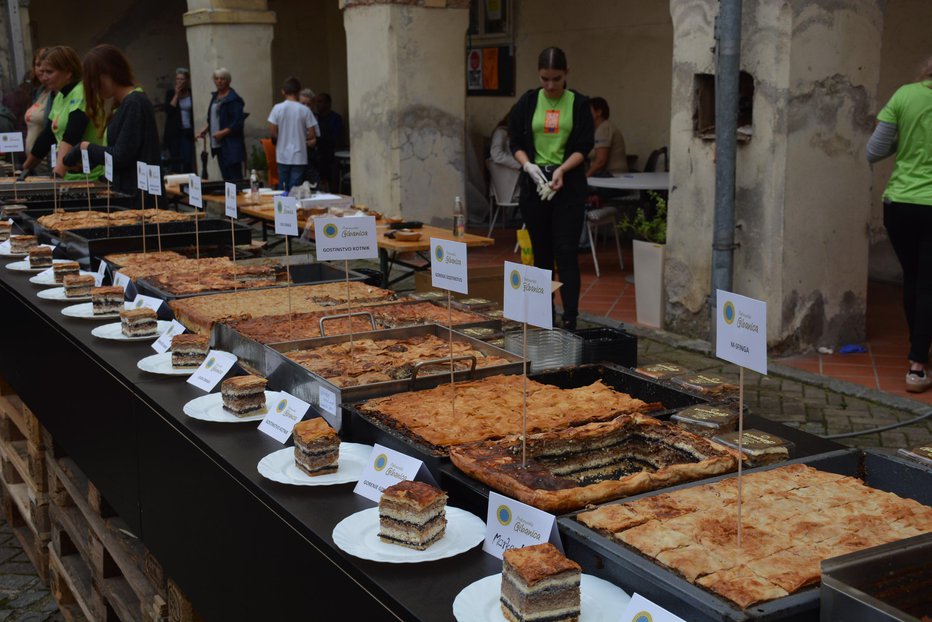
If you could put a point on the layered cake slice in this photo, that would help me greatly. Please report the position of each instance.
(63, 269)
(189, 350)
(107, 300)
(140, 322)
(412, 514)
(78, 285)
(539, 583)
(6, 227)
(243, 395)
(20, 244)
(40, 256)
(316, 447)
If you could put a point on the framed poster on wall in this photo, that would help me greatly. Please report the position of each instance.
(490, 71)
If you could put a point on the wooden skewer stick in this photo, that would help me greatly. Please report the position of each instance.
(740, 445)
(452, 380)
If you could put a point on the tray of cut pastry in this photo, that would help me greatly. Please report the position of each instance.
(706, 384)
(678, 547)
(246, 338)
(38, 207)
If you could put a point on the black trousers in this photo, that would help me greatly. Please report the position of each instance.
(555, 227)
(910, 229)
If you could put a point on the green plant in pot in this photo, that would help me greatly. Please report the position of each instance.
(649, 228)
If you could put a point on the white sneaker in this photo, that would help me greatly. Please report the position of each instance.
(916, 383)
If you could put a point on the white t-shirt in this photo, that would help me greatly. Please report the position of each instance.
(293, 120)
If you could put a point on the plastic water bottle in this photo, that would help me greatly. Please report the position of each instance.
(459, 218)
(254, 185)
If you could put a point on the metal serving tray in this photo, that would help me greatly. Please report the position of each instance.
(634, 572)
(285, 374)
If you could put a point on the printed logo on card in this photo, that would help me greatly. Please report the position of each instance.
(728, 312)
(210, 362)
(140, 303)
(642, 616)
(331, 230)
(381, 461)
(503, 514)
(515, 279)
(438, 253)
(281, 406)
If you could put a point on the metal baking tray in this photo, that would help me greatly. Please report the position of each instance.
(634, 572)
(887, 583)
(285, 374)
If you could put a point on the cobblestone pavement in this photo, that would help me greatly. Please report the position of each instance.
(23, 597)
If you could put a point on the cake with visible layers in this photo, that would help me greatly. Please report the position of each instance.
(78, 285)
(40, 257)
(189, 350)
(63, 269)
(6, 227)
(107, 300)
(539, 583)
(140, 322)
(20, 244)
(243, 395)
(412, 514)
(316, 447)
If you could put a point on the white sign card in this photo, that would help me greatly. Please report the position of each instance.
(142, 176)
(85, 162)
(196, 198)
(229, 194)
(100, 274)
(511, 524)
(286, 413)
(345, 238)
(108, 167)
(640, 609)
(164, 342)
(48, 273)
(11, 142)
(448, 265)
(387, 467)
(528, 295)
(154, 179)
(327, 401)
(149, 302)
(120, 279)
(53, 156)
(286, 215)
(741, 331)
(212, 370)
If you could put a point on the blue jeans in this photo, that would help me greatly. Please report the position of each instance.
(290, 175)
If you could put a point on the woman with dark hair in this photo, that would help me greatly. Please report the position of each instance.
(132, 135)
(68, 124)
(551, 132)
(225, 120)
(179, 123)
(905, 128)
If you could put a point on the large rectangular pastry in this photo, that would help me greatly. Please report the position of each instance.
(189, 350)
(107, 300)
(412, 514)
(316, 447)
(20, 244)
(84, 219)
(243, 395)
(540, 584)
(39, 256)
(140, 322)
(490, 408)
(78, 285)
(593, 463)
(793, 517)
(63, 269)
(129, 259)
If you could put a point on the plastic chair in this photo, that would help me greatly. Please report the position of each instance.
(271, 165)
(651, 165)
(600, 217)
(502, 185)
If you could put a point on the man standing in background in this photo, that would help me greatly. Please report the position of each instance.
(291, 126)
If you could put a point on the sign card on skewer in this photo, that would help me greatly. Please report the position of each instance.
(86, 169)
(281, 419)
(386, 467)
(741, 338)
(640, 609)
(449, 271)
(12, 143)
(154, 185)
(229, 196)
(142, 184)
(286, 224)
(108, 174)
(53, 162)
(510, 524)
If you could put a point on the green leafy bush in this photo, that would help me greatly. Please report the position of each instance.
(649, 228)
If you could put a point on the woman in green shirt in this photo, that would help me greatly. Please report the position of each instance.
(551, 132)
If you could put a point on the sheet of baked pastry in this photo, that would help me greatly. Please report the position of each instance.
(793, 517)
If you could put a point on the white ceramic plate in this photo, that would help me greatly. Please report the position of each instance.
(279, 467)
(600, 601)
(210, 408)
(49, 279)
(25, 266)
(162, 364)
(85, 311)
(58, 293)
(358, 535)
(114, 331)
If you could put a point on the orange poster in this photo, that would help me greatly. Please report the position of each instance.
(490, 69)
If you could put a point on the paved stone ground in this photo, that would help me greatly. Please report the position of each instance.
(23, 597)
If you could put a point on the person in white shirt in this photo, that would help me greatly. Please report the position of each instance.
(291, 126)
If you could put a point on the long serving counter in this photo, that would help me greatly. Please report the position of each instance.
(240, 546)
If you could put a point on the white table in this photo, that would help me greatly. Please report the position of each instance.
(632, 181)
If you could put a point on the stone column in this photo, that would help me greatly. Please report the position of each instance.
(803, 187)
(236, 34)
(407, 97)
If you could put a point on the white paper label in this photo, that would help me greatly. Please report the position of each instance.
(164, 342)
(142, 176)
(212, 370)
(283, 417)
(741, 331)
(46, 274)
(286, 216)
(100, 274)
(327, 400)
(148, 302)
(154, 179)
(53, 156)
(11, 142)
(108, 167)
(120, 279)
(345, 238)
(448, 265)
(640, 609)
(387, 467)
(229, 194)
(511, 524)
(195, 197)
(527, 294)
(85, 162)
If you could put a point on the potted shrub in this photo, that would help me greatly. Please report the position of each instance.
(649, 231)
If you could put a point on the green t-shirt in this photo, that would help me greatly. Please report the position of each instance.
(910, 109)
(64, 105)
(551, 126)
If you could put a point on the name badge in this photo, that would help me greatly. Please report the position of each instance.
(640, 609)
(288, 411)
(286, 216)
(387, 467)
(528, 295)
(511, 524)
(195, 197)
(164, 342)
(345, 238)
(212, 370)
(448, 266)
(229, 195)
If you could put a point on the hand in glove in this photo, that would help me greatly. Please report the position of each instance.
(546, 192)
(537, 175)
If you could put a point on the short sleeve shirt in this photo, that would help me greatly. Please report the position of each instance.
(293, 120)
(551, 125)
(608, 136)
(910, 109)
